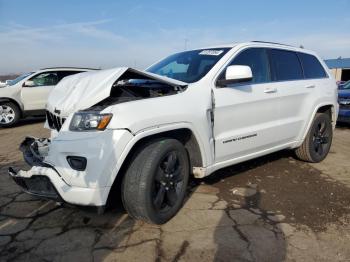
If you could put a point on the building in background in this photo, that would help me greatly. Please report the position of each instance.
(340, 68)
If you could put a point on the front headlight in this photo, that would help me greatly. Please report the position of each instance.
(89, 121)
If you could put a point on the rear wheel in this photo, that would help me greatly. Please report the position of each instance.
(9, 114)
(318, 141)
(154, 185)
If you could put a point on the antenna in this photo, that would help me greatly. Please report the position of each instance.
(186, 40)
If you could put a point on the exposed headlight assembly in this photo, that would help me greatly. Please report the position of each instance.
(89, 121)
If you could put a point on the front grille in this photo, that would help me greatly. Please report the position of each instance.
(55, 122)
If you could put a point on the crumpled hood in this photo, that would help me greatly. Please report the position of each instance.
(81, 91)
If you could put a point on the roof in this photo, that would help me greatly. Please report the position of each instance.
(231, 45)
(338, 63)
(69, 67)
(265, 44)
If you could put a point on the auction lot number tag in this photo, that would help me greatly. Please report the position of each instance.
(211, 52)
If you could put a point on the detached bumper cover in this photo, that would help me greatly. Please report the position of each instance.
(43, 180)
(39, 186)
(34, 150)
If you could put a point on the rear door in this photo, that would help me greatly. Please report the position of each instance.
(294, 92)
(246, 115)
(316, 83)
(35, 97)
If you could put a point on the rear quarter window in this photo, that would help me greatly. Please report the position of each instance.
(312, 66)
(285, 65)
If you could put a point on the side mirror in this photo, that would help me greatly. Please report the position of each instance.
(28, 83)
(236, 74)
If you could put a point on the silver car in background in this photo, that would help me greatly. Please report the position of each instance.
(27, 94)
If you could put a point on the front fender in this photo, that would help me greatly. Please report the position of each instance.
(150, 131)
(12, 100)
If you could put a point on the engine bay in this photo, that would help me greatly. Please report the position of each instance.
(133, 87)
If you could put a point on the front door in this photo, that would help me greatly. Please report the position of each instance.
(34, 96)
(246, 114)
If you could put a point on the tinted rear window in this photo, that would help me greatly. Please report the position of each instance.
(285, 65)
(312, 67)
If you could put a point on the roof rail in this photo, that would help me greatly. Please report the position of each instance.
(69, 67)
(266, 42)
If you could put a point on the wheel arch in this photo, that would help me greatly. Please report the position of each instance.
(184, 134)
(8, 99)
(322, 108)
(330, 110)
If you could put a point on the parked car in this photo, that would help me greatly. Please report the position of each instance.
(191, 113)
(27, 94)
(341, 83)
(344, 103)
(8, 82)
(2, 84)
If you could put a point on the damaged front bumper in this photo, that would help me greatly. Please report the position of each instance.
(43, 180)
(34, 150)
(38, 185)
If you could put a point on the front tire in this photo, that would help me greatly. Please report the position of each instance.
(154, 185)
(9, 114)
(318, 141)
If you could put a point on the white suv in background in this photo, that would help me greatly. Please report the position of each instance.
(191, 113)
(27, 94)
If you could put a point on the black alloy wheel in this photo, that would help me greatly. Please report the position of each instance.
(155, 183)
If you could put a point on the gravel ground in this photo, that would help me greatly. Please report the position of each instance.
(274, 208)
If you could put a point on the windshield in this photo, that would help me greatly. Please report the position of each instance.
(189, 66)
(346, 85)
(21, 77)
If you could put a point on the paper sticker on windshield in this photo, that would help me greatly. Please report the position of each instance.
(211, 52)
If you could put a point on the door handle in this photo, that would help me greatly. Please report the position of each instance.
(310, 86)
(270, 90)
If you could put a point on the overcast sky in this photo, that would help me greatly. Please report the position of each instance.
(35, 34)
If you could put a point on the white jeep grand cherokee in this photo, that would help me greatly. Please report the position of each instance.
(191, 113)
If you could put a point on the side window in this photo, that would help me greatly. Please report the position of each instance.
(312, 67)
(63, 74)
(258, 61)
(285, 65)
(45, 79)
